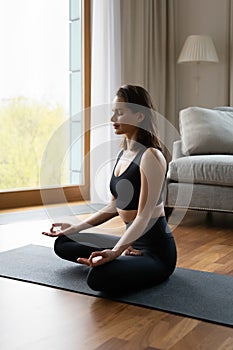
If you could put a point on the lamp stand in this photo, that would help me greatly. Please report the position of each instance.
(197, 83)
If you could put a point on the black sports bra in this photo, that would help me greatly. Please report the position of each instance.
(126, 187)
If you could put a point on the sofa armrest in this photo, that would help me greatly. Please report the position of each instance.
(177, 151)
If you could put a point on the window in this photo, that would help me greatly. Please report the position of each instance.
(41, 90)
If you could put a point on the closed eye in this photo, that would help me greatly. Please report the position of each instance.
(119, 111)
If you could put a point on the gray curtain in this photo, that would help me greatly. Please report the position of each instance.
(148, 52)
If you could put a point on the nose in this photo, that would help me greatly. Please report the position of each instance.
(114, 117)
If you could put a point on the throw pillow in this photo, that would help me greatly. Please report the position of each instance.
(206, 131)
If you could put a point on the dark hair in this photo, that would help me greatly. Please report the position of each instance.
(139, 100)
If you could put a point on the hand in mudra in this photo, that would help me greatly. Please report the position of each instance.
(99, 258)
(60, 229)
(107, 255)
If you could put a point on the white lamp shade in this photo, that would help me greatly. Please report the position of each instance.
(198, 48)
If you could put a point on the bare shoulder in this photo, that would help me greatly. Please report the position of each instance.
(153, 155)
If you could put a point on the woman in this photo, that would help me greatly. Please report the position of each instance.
(145, 255)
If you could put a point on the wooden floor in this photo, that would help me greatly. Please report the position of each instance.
(36, 317)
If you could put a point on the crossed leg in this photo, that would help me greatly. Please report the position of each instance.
(127, 272)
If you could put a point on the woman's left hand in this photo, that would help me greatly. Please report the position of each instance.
(99, 258)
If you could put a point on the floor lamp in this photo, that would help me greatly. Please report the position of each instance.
(197, 49)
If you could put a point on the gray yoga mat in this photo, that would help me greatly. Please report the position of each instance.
(196, 294)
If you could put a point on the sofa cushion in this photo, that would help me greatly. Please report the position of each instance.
(206, 169)
(224, 108)
(204, 197)
(206, 131)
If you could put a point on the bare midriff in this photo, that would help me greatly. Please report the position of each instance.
(129, 215)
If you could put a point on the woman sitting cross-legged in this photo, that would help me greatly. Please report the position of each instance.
(145, 255)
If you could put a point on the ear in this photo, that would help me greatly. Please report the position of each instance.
(140, 117)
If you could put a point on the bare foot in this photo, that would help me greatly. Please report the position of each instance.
(131, 251)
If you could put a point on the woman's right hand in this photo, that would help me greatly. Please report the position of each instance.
(61, 229)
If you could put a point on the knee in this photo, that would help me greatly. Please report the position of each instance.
(103, 279)
(58, 246)
(97, 279)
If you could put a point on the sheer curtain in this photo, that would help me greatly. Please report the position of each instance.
(148, 55)
(106, 78)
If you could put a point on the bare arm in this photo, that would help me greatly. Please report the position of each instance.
(95, 219)
(103, 215)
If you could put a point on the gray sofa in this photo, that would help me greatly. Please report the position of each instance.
(200, 175)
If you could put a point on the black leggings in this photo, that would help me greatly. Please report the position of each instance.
(126, 273)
